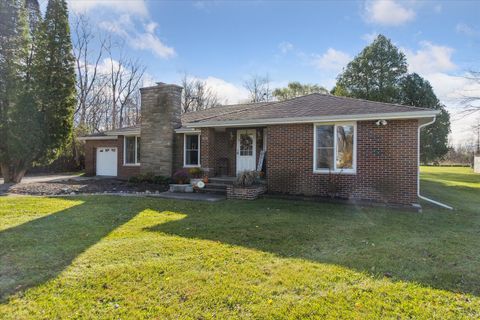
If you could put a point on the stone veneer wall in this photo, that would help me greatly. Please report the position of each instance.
(161, 107)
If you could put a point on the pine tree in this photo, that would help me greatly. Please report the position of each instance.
(37, 85)
(15, 90)
(55, 77)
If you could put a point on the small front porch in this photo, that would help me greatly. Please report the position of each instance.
(226, 152)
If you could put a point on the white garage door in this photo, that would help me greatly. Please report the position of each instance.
(107, 162)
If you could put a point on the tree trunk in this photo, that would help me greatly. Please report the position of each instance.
(13, 173)
(7, 178)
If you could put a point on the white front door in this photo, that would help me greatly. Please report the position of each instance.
(246, 147)
(107, 161)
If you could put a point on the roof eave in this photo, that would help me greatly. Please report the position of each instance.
(111, 137)
(360, 117)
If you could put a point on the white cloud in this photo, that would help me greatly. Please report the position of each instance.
(227, 92)
(332, 60)
(430, 58)
(387, 12)
(136, 7)
(145, 39)
(285, 47)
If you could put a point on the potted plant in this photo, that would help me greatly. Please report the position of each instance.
(181, 179)
(195, 175)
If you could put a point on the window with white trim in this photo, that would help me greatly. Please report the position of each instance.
(335, 147)
(132, 150)
(191, 150)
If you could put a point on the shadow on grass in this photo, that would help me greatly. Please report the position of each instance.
(452, 177)
(438, 248)
(38, 250)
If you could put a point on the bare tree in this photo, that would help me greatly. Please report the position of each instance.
(89, 80)
(107, 81)
(197, 95)
(259, 88)
(471, 100)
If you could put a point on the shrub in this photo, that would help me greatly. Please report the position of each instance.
(161, 180)
(181, 176)
(149, 178)
(134, 179)
(247, 179)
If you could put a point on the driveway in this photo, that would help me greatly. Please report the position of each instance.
(49, 178)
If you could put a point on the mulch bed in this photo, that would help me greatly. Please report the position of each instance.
(72, 187)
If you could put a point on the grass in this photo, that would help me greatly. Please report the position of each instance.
(134, 258)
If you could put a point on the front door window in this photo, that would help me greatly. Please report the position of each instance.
(246, 144)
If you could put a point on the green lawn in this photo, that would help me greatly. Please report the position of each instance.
(132, 258)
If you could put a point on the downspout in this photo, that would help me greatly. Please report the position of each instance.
(418, 173)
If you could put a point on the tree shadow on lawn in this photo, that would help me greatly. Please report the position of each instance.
(38, 250)
(437, 249)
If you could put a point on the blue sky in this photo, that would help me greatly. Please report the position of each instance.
(224, 43)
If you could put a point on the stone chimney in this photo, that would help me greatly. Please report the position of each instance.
(161, 107)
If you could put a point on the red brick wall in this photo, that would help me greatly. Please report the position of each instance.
(386, 163)
(91, 153)
(220, 144)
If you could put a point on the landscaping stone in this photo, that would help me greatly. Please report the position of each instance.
(87, 186)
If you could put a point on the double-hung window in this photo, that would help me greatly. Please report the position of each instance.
(334, 148)
(191, 150)
(132, 150)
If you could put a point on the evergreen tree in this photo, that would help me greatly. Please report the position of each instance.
(16, 114)
(375, 73)
(55, 77)
(416, 91)
(37, 85)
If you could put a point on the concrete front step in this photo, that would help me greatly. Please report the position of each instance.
(213, 190)
(217, 185)
(221, 180)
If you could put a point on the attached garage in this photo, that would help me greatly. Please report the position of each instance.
(107, 158)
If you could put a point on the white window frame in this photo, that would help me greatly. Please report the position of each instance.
(185, 165)
(125, 151)
(335, 170)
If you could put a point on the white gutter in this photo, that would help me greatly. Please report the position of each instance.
(418, 174)
(360, 117)
(186, 130)
(97, 138)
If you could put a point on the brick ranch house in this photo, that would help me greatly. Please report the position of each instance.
(368, 149)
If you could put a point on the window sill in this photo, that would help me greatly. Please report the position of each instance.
(191, 166)
(335, 172)
(131, 164)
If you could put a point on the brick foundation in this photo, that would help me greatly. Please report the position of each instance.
(245, 193)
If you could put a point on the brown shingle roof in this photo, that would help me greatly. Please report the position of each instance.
(312, 105)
